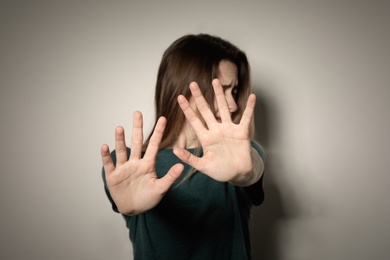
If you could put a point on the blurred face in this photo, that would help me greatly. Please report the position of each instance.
(228, 77)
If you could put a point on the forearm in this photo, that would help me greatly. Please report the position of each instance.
(249, 178)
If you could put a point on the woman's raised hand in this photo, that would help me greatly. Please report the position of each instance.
(133, 183)
(227, 152)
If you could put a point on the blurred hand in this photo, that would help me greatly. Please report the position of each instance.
(133, 183)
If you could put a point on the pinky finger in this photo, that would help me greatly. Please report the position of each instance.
(108, 165)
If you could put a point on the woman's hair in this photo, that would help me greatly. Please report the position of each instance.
(195, 58)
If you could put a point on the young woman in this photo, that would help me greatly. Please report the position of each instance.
(186, 192)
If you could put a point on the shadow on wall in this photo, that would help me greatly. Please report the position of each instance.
(265, 218)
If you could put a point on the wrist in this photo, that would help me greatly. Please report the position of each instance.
(252, 176)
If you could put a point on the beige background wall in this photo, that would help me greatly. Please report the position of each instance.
(70, 71)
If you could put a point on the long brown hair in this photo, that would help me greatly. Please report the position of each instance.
(195, 58)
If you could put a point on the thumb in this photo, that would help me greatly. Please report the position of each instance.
(187, 157)
(172, 175)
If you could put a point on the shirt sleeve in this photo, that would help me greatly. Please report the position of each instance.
(255, 191)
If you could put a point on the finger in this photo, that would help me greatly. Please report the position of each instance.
(108, 165)
(223, 107)
(192, 118)
(188, 158)
(249, 111)
(155, 139)
(120, 145)
(137, 136)
(172, 175)
(201, 104)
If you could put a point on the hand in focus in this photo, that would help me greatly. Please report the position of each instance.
(227, 152)
(133, 183)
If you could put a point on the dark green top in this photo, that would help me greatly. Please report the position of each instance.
(199, 219)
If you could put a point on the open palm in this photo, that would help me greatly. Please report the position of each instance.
(133, 183)
(226, 145)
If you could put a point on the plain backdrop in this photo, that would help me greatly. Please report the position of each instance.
(71, 71)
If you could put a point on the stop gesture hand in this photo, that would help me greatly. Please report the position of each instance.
(227, 152)
(133, 183)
